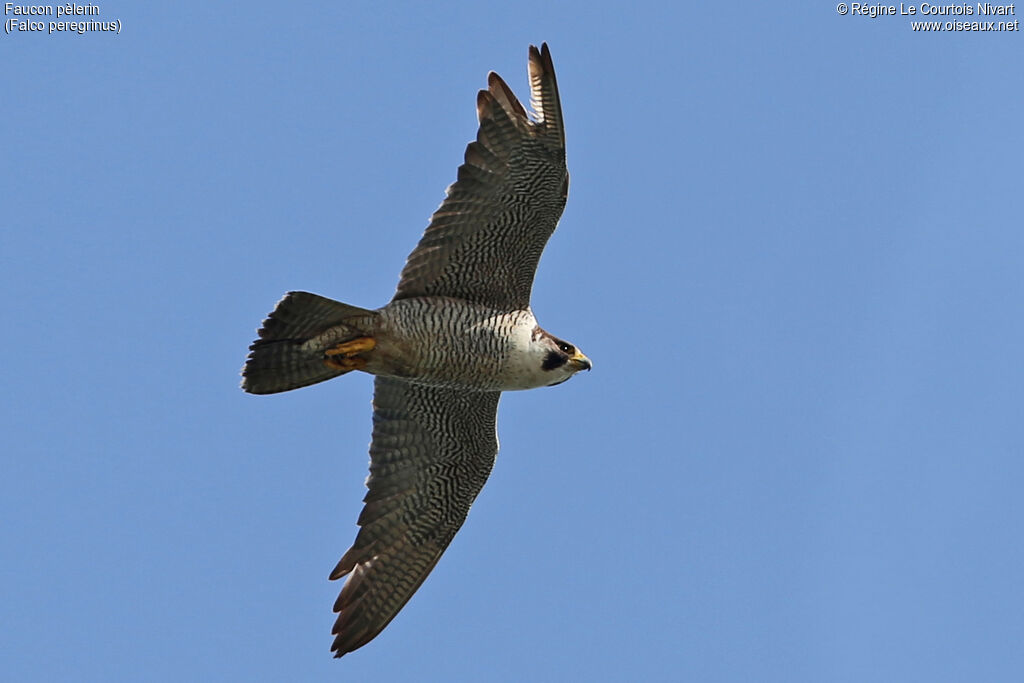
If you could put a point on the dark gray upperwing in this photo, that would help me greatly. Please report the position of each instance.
(484, 241)
(433, 449)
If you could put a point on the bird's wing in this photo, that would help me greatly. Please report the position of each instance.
(433, 448)
(484, 241)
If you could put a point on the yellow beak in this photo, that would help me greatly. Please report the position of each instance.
(580, 362)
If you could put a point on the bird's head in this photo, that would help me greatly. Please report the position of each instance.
(561, 360)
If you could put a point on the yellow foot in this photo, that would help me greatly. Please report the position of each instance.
(352, 347)
(344, 357)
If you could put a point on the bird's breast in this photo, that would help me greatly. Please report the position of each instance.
(451, 342)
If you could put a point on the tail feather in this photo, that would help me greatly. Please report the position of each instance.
(281, 359)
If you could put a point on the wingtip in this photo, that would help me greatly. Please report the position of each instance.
(542, 57)
(544, 99)
(483, 104)
(503, 94)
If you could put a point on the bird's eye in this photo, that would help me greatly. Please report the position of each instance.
(566, 348)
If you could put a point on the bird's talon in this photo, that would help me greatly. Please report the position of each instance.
(344, 357)
(345, 364)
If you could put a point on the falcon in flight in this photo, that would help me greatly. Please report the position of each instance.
(457, 333)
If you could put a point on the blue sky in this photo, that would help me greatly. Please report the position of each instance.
(793, 249)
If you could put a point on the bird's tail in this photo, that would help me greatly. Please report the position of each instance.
(290, 351)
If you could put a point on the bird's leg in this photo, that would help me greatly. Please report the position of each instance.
(352, 347)
(344, 356)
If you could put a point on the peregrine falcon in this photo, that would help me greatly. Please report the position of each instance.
(457, 333)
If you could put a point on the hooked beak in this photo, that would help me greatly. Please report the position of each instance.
(580, 362)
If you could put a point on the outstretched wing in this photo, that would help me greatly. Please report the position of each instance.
(433, 448)
(484, 241)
